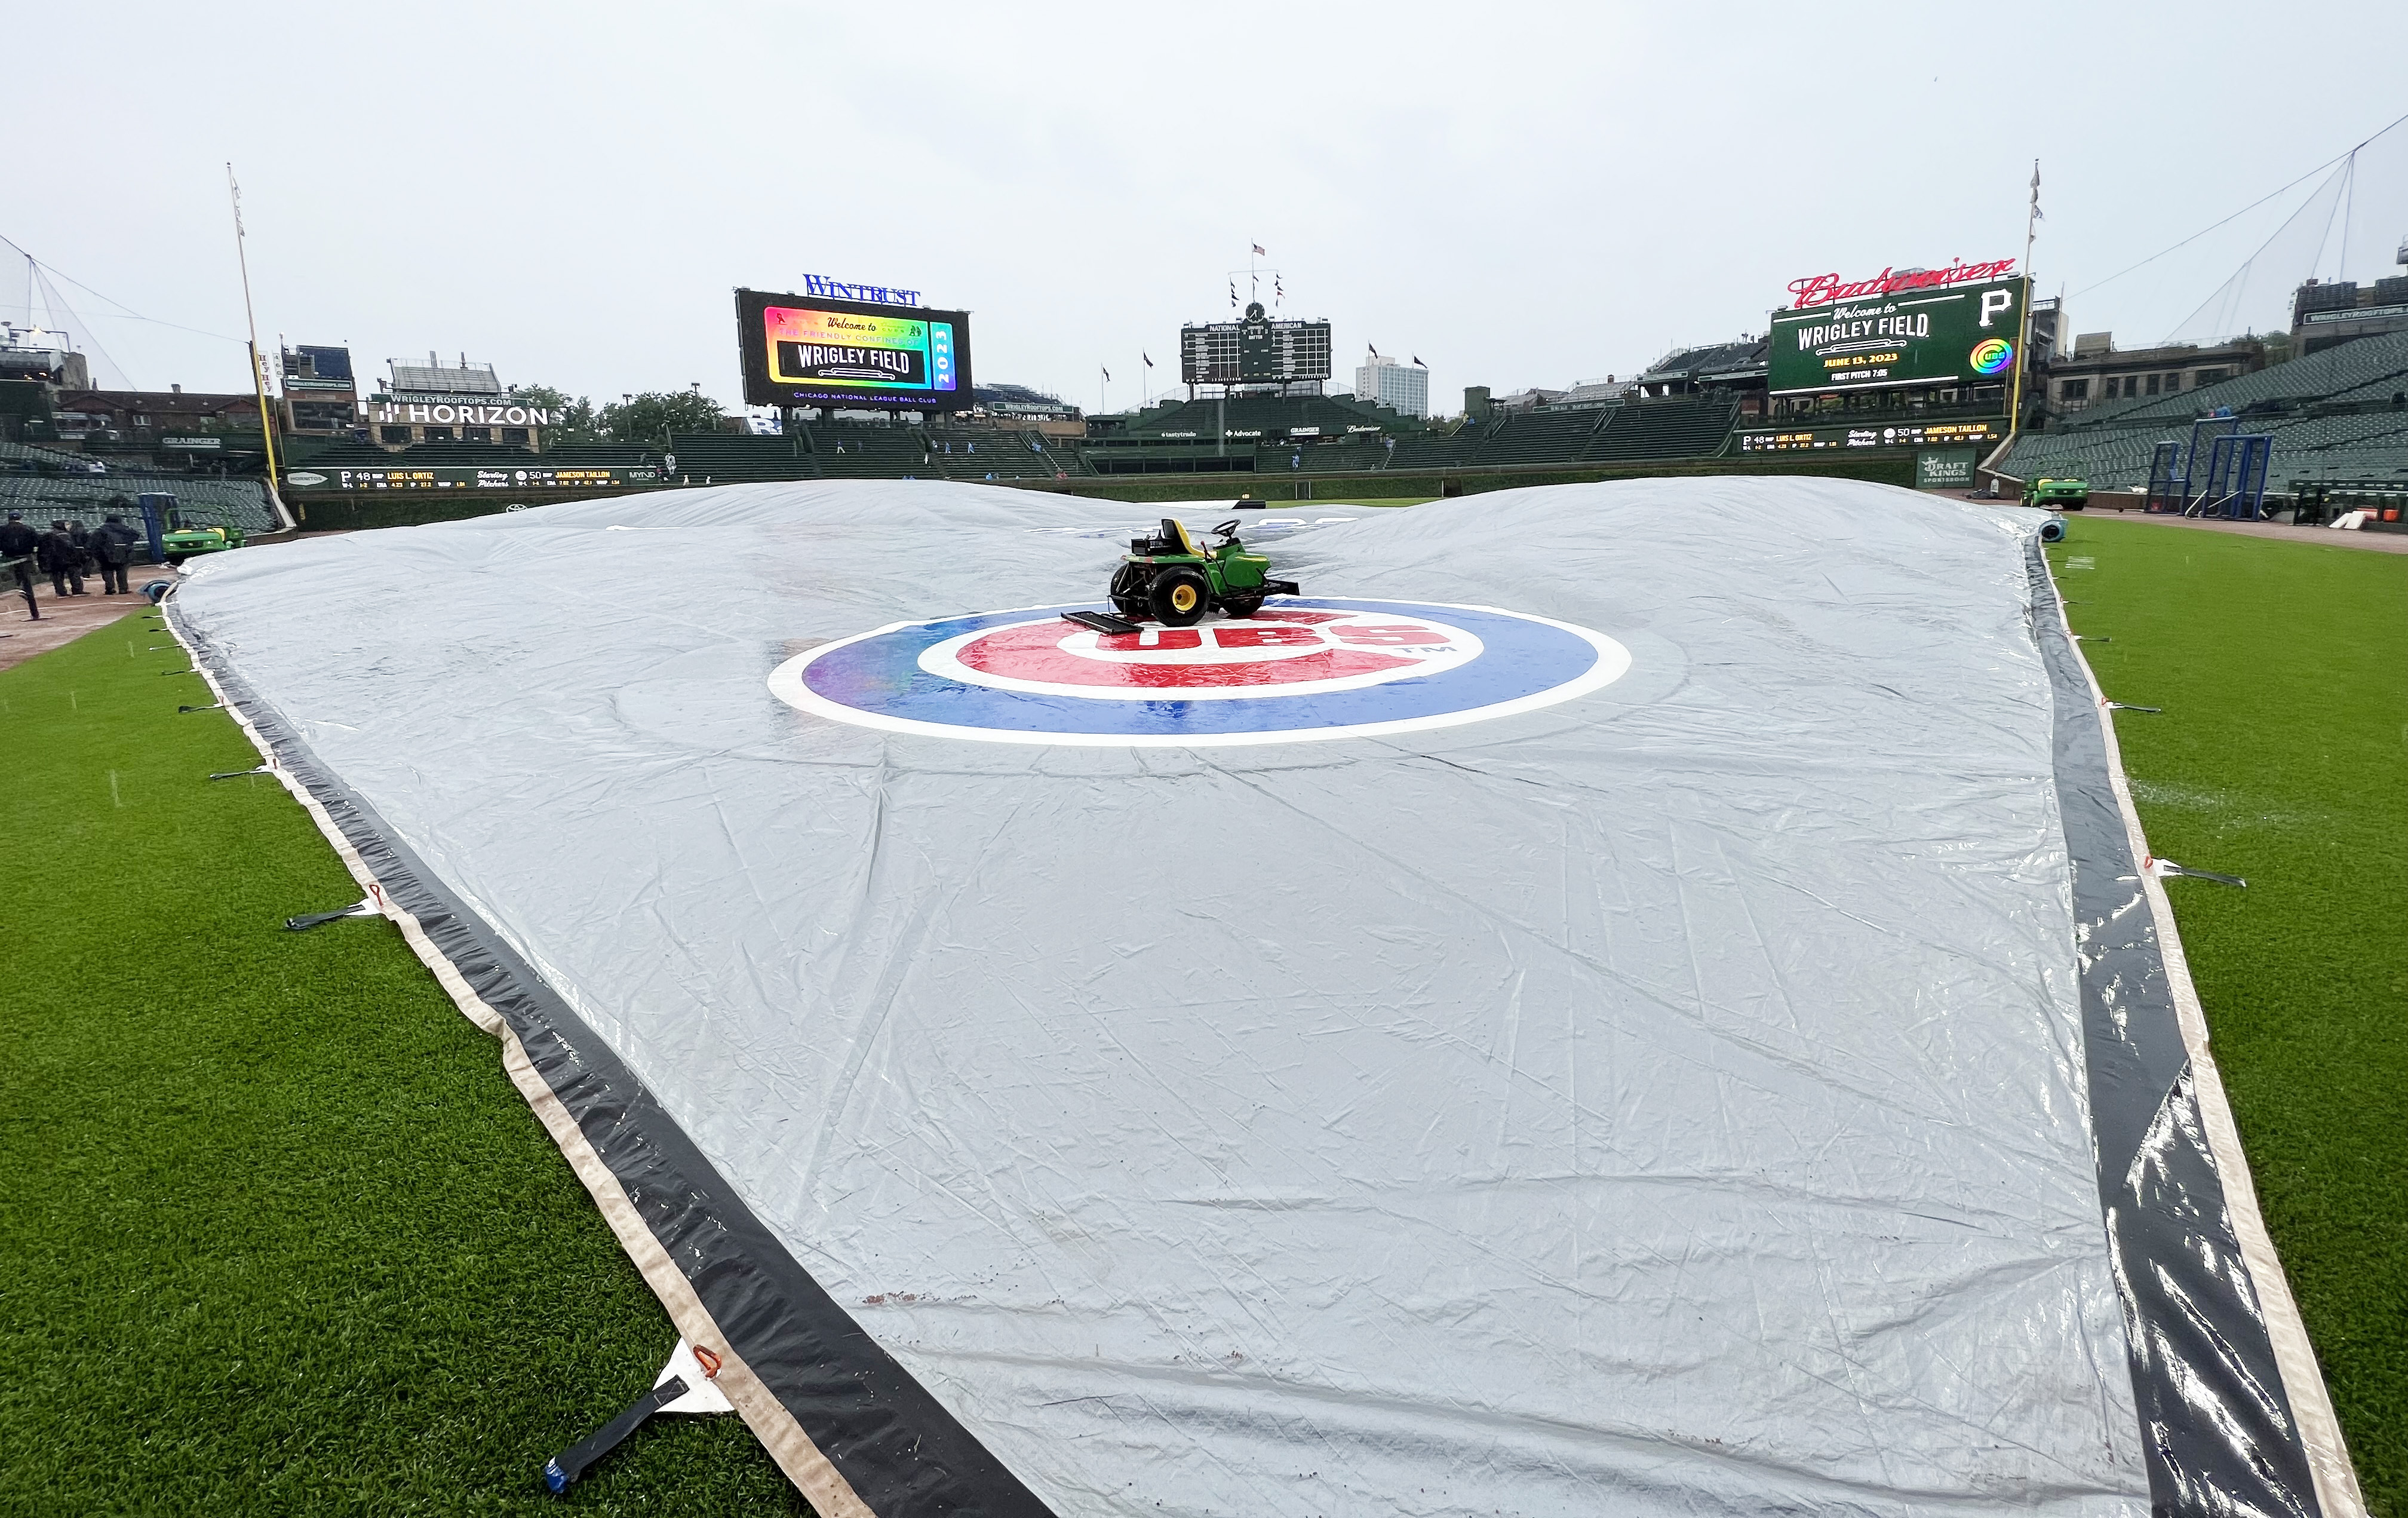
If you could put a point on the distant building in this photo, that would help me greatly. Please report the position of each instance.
(145, 418)
(439, 402)
(2097, 370)
(2326, 314)
(1404, 387)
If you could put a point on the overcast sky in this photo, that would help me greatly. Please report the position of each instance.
(1518, 196)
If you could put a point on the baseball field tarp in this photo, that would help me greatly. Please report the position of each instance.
(1641, 998)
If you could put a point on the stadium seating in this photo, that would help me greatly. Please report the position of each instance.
(89, 497)
(28, 456)
(1679, 427)
(737, 459)
(2328, 414)
(1540, 436)
(877, 452)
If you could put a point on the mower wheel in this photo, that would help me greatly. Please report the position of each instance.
(1242, 607)
(1179, 598)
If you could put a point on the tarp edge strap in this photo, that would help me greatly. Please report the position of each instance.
(811, 1470)
(2303, 1382)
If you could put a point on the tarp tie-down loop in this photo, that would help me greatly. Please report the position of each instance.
(2128, 706)
(234, 775)
(2168, 869)
(370, 905)
(684, 1386)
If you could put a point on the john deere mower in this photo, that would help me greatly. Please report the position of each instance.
(1167, 578)
(2058, 495)
(183, 543)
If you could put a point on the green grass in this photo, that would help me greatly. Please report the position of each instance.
(2282, 757)
(276, 1231)
(279, 1234)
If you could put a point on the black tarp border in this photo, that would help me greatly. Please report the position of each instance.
(903, 1454)
(2218, 1423)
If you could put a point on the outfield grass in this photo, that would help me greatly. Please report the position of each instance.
(278, 1233)
(2282, 757)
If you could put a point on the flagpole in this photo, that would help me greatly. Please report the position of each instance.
(2023, 338)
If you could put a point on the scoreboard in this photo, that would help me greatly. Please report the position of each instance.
(1964, 335)
(819, 351)
(1256, 351)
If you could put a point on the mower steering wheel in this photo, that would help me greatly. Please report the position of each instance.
(1228, 528)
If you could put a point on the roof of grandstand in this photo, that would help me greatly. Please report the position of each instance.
(1018, 394)
(1743, 359)
(2339, 413)
(466, 379)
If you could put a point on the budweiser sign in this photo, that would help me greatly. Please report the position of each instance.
(1815, 289)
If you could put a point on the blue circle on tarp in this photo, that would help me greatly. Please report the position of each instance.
(878, 677)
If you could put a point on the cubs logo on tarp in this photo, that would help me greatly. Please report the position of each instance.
(1301, 669)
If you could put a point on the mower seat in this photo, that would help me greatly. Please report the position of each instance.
(1175, 533)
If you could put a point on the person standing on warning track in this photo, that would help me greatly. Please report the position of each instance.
(61, 559)
(17, 546)
(112, 544)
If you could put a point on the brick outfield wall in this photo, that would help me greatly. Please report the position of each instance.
(337, 510)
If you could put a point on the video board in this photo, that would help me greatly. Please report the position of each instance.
(468, 477)
(817, 350)
(1965, 335)
(1256, 351)
(1801, 436)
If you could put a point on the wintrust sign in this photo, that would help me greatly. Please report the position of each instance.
(1817, 289)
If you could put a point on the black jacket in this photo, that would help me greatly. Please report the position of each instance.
(58, 552)
(17, 539)
(114, 545)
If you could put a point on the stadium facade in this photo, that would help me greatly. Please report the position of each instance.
(1906, 375)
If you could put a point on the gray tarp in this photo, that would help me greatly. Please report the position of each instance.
(1673, 1100)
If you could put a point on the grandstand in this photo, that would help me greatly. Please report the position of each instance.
(89, 497)
(2342, 414)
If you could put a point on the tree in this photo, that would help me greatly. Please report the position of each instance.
(647, 420)
(577, 422)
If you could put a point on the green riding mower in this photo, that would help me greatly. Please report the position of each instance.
(2058, 495)
(1168, 579)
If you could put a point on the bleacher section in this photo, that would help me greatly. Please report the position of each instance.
(2331, 415)
(1540, 436)
(29, 456)
(736, 458)
(967, 454)
(1679, 426)
(89, 497)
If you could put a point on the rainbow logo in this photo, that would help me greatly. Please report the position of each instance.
(1991, 355)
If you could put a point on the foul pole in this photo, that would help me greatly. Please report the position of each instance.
(258, 373)
(2023, 335)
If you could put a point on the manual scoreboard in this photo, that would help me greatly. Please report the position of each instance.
(1256, 351)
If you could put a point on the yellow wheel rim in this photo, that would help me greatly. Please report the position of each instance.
(1183, 598)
